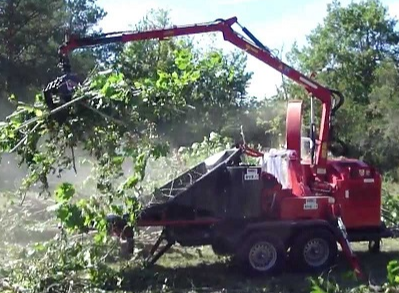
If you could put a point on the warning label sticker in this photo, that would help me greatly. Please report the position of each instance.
(252, 174)
(310, 204)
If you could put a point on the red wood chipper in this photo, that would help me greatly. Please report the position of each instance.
(284, 209)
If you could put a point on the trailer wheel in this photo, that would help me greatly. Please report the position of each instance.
(126, 247)
(375, 246)
(314, 250)
(219, 248)
(262, 254)
(117, 227)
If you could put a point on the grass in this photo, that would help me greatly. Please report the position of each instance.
(183, 269)
(200, 270)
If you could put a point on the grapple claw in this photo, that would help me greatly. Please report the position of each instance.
(58, 92)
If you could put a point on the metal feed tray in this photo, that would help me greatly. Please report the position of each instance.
(199, 192)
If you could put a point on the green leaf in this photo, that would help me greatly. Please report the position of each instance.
(393, 271)
(131, 182)
(38, 112)
(64, 192)
(12, 98)
(118, 160)
(195, 75)
(99, 237)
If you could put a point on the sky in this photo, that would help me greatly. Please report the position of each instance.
(277, 24)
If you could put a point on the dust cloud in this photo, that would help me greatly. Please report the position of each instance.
(33, 221)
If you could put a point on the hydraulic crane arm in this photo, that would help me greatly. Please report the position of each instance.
(253, 47)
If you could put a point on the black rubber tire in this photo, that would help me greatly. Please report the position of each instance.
(126, 248)
(117, 226)
(375, 246)
(244, 254)
(296, 255)
(219, 248)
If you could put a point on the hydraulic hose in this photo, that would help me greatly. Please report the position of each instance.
(333, 137)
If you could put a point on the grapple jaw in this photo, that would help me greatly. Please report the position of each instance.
(60, 91)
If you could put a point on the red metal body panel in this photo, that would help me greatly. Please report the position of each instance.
(356, 187)
(358, 192)
(306, 208)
